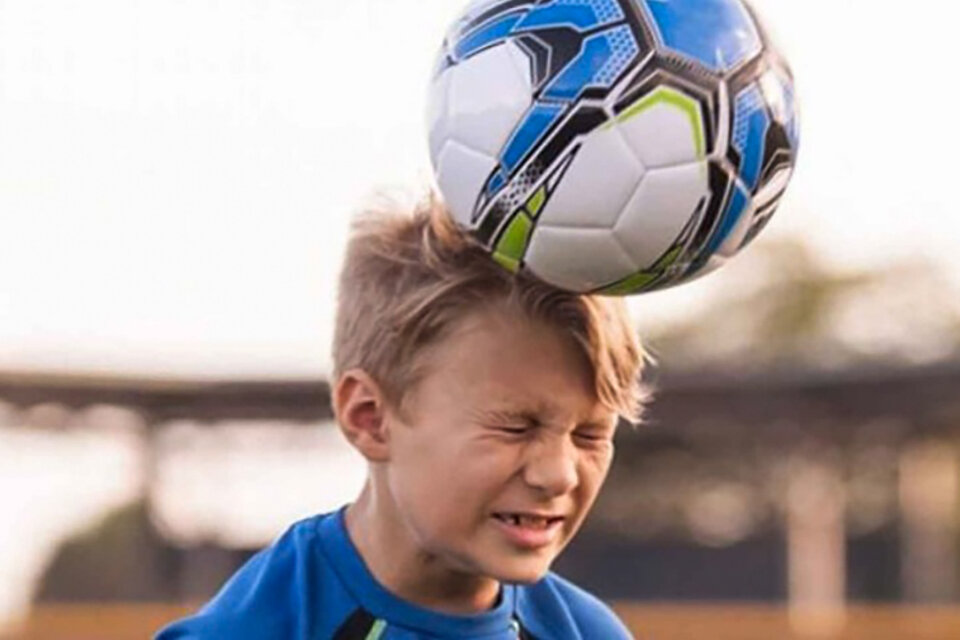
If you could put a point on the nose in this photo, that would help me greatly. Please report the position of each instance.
(551, 466)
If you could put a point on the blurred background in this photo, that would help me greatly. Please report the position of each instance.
(176, 181)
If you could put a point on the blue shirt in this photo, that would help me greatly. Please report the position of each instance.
(312, 584)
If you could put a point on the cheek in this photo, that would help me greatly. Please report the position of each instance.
(448, 482)
(477, 479)
(594, 467)
(493, 463)
(480, 470)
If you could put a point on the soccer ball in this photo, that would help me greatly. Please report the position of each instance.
(611, 146)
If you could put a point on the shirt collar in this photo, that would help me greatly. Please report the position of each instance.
(345, 559)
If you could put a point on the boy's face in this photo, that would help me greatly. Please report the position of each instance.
(505, 424)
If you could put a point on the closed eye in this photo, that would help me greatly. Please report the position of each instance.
(514, 430)
(593, 436)
(589, 437)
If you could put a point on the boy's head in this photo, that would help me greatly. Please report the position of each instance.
(475, 394)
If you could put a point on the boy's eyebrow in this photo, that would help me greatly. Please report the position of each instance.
(532, 416)
(524, 415)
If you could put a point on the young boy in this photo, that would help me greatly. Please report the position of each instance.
(485, 404)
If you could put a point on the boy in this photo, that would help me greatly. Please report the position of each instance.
(485, 404)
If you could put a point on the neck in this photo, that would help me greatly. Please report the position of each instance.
(403, 567)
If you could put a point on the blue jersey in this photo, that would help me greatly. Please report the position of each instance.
(312, 584)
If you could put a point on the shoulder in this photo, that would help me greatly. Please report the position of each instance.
(266, 598)
(555, 598)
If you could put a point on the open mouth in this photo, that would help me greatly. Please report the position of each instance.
(527, 521)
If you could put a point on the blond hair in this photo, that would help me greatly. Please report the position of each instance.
(407, 278)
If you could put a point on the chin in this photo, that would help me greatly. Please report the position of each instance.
(518, 571)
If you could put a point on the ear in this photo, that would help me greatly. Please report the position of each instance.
(360, 409)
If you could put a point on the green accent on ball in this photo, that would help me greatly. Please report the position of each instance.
(510, 265)
(672, 97)
(536, 202)
(513, 243)
(376, 630)
(640, 281)
(632, 284)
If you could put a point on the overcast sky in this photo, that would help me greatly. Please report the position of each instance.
(176, 176)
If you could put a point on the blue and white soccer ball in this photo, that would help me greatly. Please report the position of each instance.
(612, 146)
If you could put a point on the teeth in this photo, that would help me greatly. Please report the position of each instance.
(536, 523)
(530, 522)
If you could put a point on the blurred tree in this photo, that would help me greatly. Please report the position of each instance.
(120, 558)
(124, 558)
(785, 306)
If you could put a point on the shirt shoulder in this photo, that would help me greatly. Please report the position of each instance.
(273, 595)
(555, 607)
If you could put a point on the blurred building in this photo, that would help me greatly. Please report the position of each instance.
(815, 489)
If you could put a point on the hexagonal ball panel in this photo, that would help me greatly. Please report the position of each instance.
(577, 259)
(659, 210)
(719, 34)
(461, 174)
(488, 95)
(664, 128)
(438, 113)
(597, 185)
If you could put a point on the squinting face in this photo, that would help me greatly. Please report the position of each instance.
(504, 448)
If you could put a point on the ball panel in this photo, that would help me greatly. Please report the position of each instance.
(649, 278)
(580, 15)
(603, 57)
(765, 203)
(438, 113)
(719, 34)
(635, 283)
(734, 224)
(660, 209)
(779, 94)
(602, 177)
(513, 242)
(750, 125)
(664, 128)
(530, 131)
(486, 35)
(488, 95)
(536, 201)
(577, 259)
(461, 173)
(773, 189)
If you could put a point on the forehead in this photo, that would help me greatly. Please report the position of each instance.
(500, 358)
